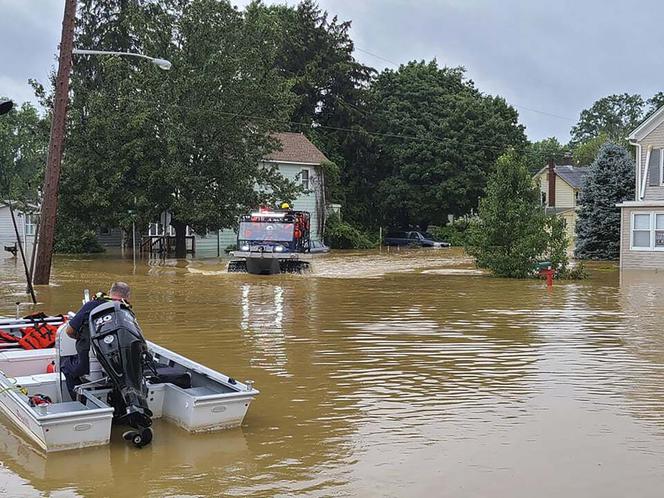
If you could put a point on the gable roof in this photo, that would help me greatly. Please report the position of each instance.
(650, 123)
(296, 148)
(572, 175)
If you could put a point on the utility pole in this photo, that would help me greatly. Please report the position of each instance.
(42, 273)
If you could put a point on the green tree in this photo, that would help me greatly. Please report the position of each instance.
(538, 154)
(436, 137)
(314, 51)
(23, 142)
(586, 152)
(188, 141)
(512, 232)
(610, 180)
(614, 115)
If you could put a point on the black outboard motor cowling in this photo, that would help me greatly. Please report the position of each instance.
(121, 350)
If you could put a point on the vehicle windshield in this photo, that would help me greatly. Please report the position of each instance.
(260, 231)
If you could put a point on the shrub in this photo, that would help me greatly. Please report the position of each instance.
(72, 238)
(454, 233)
(512, 232)
(342, 235)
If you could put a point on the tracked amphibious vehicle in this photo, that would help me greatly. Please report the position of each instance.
(273, 241)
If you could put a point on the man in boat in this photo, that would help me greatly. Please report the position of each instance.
(79, 328)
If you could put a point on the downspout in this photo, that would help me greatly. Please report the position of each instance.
(638, 169)
(644, 178)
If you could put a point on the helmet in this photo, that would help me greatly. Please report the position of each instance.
(285, 205)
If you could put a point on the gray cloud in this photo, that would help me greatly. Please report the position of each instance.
(553, 57)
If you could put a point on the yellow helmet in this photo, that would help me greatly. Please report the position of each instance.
(285, 205)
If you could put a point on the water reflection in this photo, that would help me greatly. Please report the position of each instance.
(381, 378)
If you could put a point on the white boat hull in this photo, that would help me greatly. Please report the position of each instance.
(213, 402)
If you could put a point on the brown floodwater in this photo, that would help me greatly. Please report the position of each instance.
(401, 374)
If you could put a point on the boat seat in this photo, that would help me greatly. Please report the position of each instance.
(38, 379)
(66, 406)
(201, 391)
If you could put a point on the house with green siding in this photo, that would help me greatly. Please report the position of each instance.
(298, 160)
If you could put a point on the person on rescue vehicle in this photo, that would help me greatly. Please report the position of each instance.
(75, 366)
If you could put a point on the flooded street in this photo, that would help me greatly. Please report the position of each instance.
(404, 374)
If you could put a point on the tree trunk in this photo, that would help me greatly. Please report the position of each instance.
(180, 239)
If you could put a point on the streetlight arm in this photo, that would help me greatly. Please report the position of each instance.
(161, 63)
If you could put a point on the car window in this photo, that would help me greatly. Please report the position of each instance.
(414, 235)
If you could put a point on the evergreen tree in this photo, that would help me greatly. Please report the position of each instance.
(610, 180)
(512, 232)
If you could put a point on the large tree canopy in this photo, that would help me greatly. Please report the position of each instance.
(189, 140)
(23, 141)
(436, 138)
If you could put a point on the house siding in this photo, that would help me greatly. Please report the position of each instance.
(207, 247)
(7, 233)
(630, 259)
(655, 139)
(565, 198)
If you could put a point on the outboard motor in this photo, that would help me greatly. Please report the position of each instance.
(121, 350)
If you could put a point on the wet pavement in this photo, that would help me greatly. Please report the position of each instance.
(396, 374)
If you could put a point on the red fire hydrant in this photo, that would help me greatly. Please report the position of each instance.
(547, 272)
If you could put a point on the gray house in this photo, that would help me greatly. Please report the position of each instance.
(642, 220)
(26, 224)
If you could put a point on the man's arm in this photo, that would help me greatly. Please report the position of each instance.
(71, 332)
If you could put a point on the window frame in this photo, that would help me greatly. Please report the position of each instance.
(308, 179)
(30, 220)
(661, 167)
(652, 231)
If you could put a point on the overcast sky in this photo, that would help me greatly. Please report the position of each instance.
(550, 59)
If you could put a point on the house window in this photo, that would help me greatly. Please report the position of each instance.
(648, 231)
(304, 177)
(30, 222)
(104, 231)
(641, 231)
(577, 197)
(543, 198)
(659, 231)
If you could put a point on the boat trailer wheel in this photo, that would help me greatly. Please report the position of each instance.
(139, 438)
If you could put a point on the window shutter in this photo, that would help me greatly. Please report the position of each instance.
(653, 168)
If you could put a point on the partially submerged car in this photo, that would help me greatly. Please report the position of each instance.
(413, 238)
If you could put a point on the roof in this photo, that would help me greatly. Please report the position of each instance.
(572, 175)
(650, 123)
(296, 148)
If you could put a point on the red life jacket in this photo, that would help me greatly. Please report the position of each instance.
(39, 336)
(7, 337)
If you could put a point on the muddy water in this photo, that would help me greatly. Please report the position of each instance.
(403, 374)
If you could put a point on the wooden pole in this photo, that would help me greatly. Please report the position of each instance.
(31, 291)
(42, 273)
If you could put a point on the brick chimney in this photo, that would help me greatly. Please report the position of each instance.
(552, 184)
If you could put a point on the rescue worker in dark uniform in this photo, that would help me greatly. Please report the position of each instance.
(74, 367)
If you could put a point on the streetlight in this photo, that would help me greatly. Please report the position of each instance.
(6, 106)
(160, 63)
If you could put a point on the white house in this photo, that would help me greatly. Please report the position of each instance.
(26, 225)
(642, 220)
